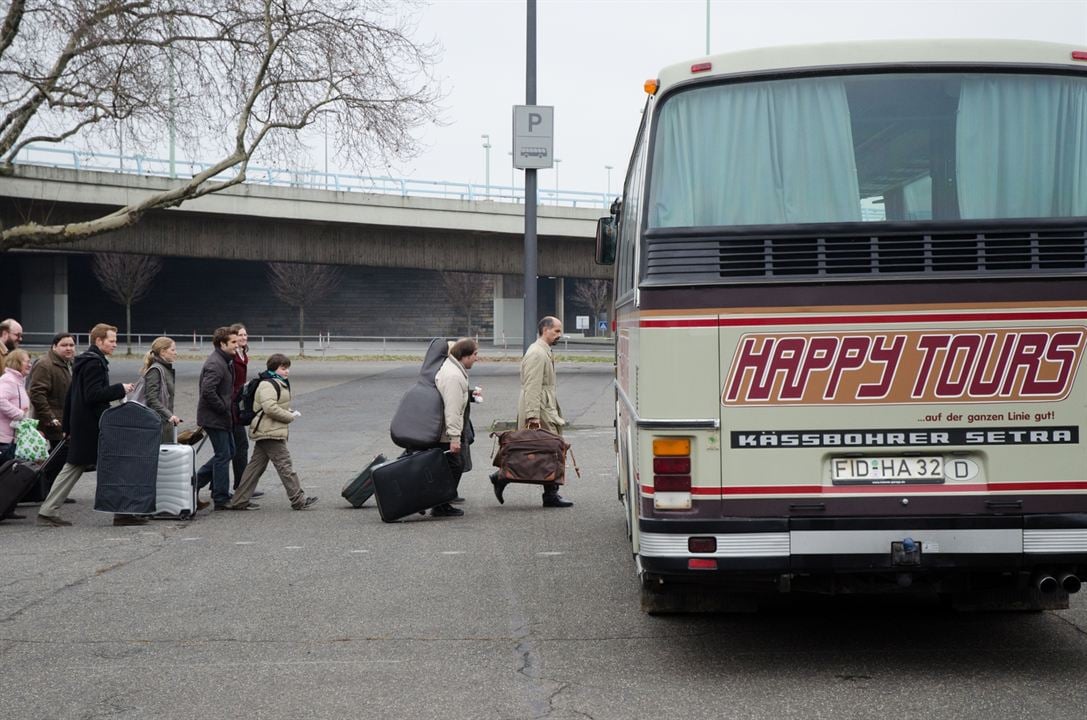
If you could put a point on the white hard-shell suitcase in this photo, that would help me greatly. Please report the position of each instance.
(176, 487)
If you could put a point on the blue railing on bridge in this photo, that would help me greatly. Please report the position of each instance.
(310, 179)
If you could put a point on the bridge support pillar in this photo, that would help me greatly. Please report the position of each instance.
(560, 296)
(509, 303)
(44, 301)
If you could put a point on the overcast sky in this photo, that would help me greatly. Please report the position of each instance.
(594, 55)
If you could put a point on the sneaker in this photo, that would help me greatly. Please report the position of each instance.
(311, 500)
(123, 520)
(247, 506)
(257, 493)
(201, 504)
(457, 500)
(445, 510)
(51, 521)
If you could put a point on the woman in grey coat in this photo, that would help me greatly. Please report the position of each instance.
(158, 384)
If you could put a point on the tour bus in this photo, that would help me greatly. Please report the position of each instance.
(851, 309)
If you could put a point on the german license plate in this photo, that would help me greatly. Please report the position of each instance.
(887, 470)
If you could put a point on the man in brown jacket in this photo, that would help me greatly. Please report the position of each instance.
(49, 381)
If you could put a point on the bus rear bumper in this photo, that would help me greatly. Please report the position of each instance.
(940, 550)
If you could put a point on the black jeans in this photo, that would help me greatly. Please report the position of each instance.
(241, 453)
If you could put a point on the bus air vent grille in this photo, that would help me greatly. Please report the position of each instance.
(687, 257)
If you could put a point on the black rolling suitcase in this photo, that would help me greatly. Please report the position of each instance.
(47, 474)
(361, 486)
(15, 478)
(413, 483)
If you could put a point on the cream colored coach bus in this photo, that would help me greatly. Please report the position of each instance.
(851, 311)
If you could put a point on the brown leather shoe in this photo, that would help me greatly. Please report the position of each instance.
(50, 521)
(202, 504)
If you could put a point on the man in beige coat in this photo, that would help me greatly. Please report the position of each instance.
(538, 404)
(269, 431)
(452, 383)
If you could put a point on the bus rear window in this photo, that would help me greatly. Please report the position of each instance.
(880, 147)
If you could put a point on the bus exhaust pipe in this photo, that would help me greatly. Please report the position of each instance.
(1046, 583)
(1070, 583)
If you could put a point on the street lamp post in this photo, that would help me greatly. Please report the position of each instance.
(609, 169)
(557, 161)
(487, 154)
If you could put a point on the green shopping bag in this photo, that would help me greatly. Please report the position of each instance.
(30, 444)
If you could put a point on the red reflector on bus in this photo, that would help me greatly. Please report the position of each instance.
(701, 67)
(1079, 54)
(672, 466)
(701, 564)
(672, 483)
(702, 544)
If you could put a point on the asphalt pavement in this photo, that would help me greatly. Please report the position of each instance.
(513, 611)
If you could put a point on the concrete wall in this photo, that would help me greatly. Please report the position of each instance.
(192, 295)
(199, 295)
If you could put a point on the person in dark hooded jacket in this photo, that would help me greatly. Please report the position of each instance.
(88, 397)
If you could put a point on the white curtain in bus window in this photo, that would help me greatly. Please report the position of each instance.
(1021, 147)
(752, 154)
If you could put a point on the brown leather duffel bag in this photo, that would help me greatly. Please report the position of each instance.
(532, 456)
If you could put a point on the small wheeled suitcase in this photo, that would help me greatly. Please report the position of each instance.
(361, 486)
(47, 473)
(413, 483)
(175, 486)
(15, 478)
(128, 459)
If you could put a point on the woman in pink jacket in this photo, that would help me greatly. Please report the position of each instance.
(14, 400)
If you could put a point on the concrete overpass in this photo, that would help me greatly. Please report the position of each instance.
(284, 224)
(260, 222)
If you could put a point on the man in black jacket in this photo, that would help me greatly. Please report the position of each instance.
(214, 415)
(88, 397)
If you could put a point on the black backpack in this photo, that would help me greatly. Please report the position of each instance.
(246, 412)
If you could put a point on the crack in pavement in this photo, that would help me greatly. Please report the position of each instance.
(96, 573)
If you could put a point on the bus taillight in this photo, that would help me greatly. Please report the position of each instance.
(672, 473)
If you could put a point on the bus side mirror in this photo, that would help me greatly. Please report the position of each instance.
(605, 241)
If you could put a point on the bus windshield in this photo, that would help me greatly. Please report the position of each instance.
(917, 146)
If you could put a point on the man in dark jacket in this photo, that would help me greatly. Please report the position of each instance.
(241, 439)
(88, 397)
(213, 413)
(49, 381)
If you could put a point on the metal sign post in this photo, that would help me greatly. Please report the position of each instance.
(530, 188)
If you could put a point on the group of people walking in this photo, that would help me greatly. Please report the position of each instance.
(537, 406)
(68, 394)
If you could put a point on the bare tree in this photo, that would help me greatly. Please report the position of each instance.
(126, 279)
(301, 286)
(465, 291)
(595, 295)
(244, 76)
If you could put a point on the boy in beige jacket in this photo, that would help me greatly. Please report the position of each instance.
(269, 430)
